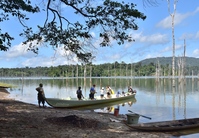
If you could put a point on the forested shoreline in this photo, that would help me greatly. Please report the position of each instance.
(141, 68)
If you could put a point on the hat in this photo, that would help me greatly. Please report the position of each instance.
(102, 88)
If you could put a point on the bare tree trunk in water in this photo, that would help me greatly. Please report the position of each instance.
(184, 61)
(157, 72)
(85, 78)
(173, 36)
(77, 72)
(90, 74)
(173, 60)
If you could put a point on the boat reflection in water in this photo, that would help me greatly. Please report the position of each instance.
(190, 132)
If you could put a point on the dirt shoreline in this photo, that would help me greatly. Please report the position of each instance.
(18, 119)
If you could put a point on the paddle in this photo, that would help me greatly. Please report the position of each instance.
(140, 115)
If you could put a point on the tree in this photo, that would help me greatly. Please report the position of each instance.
(113, 19)
(173, 37)
(13, 8)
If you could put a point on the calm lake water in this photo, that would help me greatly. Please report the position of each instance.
(158, 100)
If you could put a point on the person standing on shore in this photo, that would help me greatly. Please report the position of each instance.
(40, 95)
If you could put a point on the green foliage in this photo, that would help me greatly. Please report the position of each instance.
(142, 68)
(6, 85)
(13, 8)
(113, 19)
(166, 61)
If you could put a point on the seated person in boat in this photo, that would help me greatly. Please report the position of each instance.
(118, 94)
(79, 94)
(108, 91)
(130, 90)
(92, 92)
(123, 93)
(102, 93)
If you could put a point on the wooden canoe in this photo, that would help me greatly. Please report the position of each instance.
(166, 126)
(74, 103)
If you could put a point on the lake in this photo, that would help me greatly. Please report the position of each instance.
(156, 99)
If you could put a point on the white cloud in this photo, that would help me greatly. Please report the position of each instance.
(151, 39)
(37, 62)
(196, 11)
(46, 61)
(187, 36)
(190, 36)
(116, 56)
(167, 22)
(93, 34)
(60, 57)
(21, 50)
(48, 57)
(178, 47)
(196, 53)
(156, 39)
(170, 48)
(149, 56)
(17, 51)
(166, 49)
(197, 35)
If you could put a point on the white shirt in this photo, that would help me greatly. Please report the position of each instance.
(102, 91)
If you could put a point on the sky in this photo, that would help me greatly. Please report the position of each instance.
(153, 38)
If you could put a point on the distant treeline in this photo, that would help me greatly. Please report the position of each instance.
(142, 68)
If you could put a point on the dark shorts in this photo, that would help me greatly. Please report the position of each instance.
(79, 96)
(91, 96)
(41, 98)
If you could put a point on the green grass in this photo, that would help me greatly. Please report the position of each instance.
(6, 85)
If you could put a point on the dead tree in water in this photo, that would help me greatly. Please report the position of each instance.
(158, 68)
(184, 62)
(173, 36)
(181, 66)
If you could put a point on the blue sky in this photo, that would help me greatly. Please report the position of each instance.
(152, 39)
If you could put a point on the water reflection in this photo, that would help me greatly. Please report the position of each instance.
(186, 133)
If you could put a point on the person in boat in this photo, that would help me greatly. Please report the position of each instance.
(92, 92)
(102, 93)
(130, 89)
(40, 95)
(118, 94)
(79, 93)
(123, 93)
(108, 91)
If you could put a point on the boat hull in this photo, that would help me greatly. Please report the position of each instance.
(61, 103)
(166, 126)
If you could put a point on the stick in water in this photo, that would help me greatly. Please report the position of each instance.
(140, 115)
